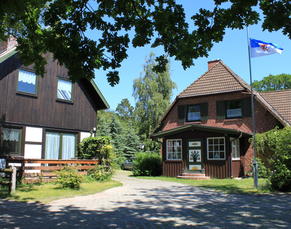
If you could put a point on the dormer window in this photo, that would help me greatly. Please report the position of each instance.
(65, 88)
(26, 82)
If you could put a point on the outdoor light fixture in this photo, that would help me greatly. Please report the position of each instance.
(141, 146)
(94, 131)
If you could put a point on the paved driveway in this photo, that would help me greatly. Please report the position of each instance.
(151, 204)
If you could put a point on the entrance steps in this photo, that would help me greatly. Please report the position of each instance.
(194, 176)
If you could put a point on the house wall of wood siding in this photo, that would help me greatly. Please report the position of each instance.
(45, 110)
(213, 168)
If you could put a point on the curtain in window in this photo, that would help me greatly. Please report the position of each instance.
(52, 146)
(27, 77)
(11, 134)
(68, 146)
(64, 89)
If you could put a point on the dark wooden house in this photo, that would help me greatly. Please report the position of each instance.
(44, 117)
(207, 128)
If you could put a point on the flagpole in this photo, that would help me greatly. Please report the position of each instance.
(255, 166)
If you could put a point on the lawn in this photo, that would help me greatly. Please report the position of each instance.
(49, 192)
(240, 186)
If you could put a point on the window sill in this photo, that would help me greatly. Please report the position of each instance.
(65, 101)
(26, 94)
(173, 160)
(233, 119)
(197, 122)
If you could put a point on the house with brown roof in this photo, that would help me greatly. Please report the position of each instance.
(207, 128)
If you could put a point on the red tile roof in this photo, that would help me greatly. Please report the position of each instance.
(280, 101)
(218, 79)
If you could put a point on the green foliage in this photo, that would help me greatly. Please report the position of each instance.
(147, 164)
(68, 177)
(59, 27)
(273, 83)
(263, 171)
(124, 109)
(152, 92)
(275, 146)
(100, 173)
(93, 148)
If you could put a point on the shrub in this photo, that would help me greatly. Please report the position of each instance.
(68, 177)
(263, 171)
(147, 164)
(91, 148)
(275, 145)
(100, 173)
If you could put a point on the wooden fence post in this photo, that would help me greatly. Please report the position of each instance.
(12, 185)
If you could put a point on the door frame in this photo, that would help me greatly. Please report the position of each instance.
(192, 166)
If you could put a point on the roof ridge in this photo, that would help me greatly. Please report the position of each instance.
(237, 77)
(199, 78)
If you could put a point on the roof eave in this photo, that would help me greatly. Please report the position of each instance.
(201, 128)
(106, 105)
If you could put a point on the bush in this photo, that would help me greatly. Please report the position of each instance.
(91, 148)
(68, 177)
(147, 164)
(275, 145)
(263, 171)
(100, 173)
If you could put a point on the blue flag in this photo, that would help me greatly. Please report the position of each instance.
(261, 48)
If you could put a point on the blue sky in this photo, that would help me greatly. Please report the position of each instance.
(233, 51)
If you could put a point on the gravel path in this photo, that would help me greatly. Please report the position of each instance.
(151, 204)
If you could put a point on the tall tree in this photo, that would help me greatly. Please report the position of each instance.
(131, 141)
(117, 136)
(273, 83)
(124, 109)
(152, 92)
(59, 26)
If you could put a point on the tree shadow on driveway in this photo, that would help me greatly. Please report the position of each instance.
(159, 207)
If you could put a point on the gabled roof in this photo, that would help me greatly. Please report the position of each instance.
(208, 82)
(221, 79)
(90, 85)
(280, 101)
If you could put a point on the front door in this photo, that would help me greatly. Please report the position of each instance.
(194, 155)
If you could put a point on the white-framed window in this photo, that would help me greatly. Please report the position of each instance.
(26, 82)
(193, 113)
(233, 109)
(65, 89)
(174, 149)
(60, 145)
(216, 148)
(235, 149)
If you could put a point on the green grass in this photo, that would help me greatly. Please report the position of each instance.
(49, 192)
(240, 186)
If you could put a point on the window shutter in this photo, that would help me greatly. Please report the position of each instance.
(220, 110)
(204, 111)
(181, 113)
(246, 107)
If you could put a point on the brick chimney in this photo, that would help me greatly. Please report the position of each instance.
(6, 45)
(212, 63)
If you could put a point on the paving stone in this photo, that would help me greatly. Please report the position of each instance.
(151, 204)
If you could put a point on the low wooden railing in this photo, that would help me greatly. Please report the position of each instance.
(32, 170)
